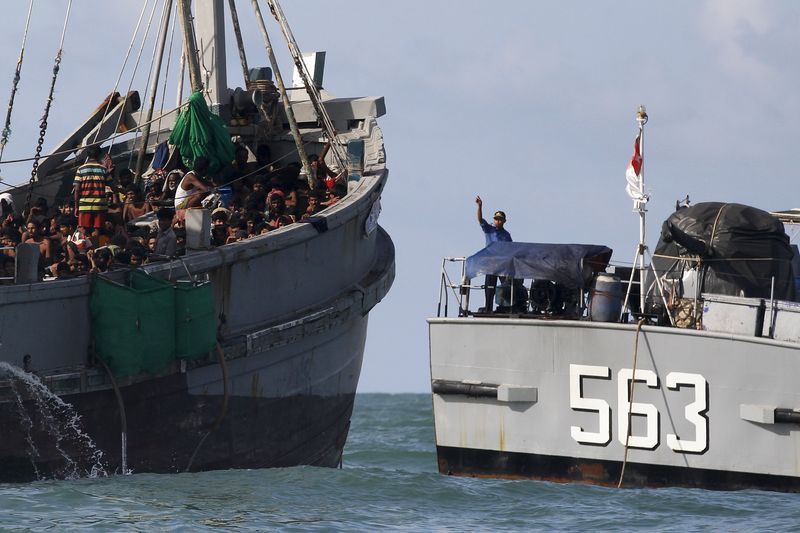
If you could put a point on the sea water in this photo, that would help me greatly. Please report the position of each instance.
(389, 482)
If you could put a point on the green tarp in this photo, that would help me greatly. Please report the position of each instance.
(199, 132)
(148, 323)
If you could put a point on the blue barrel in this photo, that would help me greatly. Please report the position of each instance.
(605, 299)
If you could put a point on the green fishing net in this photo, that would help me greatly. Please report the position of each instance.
(146, 323)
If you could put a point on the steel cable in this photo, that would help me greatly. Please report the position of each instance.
(14, 85)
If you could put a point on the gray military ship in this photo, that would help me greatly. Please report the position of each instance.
(584, 373)
(289, 309)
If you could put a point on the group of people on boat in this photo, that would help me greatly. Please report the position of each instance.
(99, 227)
(252, 198)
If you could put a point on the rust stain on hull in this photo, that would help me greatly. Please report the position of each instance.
(466, 462)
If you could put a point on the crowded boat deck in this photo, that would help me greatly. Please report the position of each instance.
(144, 222)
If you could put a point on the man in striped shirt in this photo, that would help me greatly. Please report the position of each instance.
(89, 189)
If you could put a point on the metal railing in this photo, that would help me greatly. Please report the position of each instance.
(543, 299)
(446, 286)
(460, 291)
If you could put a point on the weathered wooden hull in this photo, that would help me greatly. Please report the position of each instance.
(167, 425)
(283, 397)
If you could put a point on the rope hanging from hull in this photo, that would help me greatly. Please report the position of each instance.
(43, 122)
(15, 83)
(630, 401)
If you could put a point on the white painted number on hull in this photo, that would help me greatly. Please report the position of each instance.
(579, 403)
(649, 441)
(694, 412)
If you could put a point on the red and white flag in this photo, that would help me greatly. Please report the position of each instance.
(635, 188)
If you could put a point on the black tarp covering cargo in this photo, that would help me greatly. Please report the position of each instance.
(571, 265)
(742, 249)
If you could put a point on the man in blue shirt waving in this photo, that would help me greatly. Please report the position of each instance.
(493, 233)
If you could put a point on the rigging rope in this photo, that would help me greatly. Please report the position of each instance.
(135, 68)
(699, 259)
(149, 75)
(122, 70)
(15, 83)
(43, 122)
(116, 136)
(311, 88)
(166, 79)
(287, 104)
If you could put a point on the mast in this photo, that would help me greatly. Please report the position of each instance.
(641, 119)
(181, 76)
(634, 176)
(210, 33)
(287, 105)
(190, 45)
(239, 43)
(167, 12)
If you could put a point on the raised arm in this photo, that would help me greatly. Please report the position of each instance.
(325, 149)
(480, 209)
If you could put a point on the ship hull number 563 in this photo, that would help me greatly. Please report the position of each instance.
(694, 412)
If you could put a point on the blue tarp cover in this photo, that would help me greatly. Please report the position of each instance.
(569, 264)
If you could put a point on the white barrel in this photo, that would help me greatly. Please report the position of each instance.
(605, 299)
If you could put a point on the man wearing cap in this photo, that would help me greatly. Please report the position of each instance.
(493, 233)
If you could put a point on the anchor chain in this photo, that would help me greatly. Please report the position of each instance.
(43, 122)
(7, 126)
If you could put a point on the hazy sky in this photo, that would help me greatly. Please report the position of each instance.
(529, 104)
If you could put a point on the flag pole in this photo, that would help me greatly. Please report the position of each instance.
(641, 119)
(634, 176)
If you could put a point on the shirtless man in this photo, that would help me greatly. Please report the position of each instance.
(35, 236)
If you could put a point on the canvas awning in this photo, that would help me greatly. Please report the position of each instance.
(569, 264)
